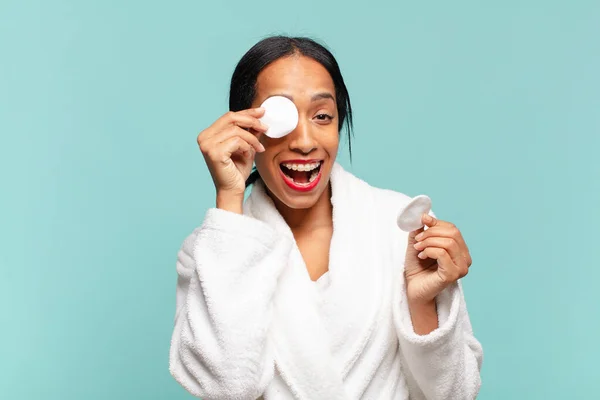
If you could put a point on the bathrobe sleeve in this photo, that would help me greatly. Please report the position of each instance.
(445, 363)
(227, 272)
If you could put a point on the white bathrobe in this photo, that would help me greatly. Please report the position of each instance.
(250, 322)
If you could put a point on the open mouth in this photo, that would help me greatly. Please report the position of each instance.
(301, 176)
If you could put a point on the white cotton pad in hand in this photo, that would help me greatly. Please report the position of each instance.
(281, 116)
(409, 218)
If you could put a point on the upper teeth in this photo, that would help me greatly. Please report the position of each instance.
(302, 167)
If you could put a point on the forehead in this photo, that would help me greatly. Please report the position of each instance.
(294, 75)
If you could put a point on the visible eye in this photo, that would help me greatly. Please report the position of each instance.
(324, 117)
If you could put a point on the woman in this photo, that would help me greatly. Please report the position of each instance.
(309, 290)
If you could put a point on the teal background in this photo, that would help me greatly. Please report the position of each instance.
(491, 108)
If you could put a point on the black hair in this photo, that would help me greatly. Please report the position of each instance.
(243, 82)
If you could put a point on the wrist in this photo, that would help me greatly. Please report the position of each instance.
(230, 202)
(422, 304)
(423, 316)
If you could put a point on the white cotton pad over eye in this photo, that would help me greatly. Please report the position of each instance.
(409, 218)
(281, 116)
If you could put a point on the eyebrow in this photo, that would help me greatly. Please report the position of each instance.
(321, 96)
(315, 97)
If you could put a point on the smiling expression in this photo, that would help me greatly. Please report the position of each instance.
(296, 168)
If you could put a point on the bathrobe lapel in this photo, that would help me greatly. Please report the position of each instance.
(353, 300)
(318, 337)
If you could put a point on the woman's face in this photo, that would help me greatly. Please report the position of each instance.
(287, 166)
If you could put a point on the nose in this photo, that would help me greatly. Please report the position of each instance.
(302, 139)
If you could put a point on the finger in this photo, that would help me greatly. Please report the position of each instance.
(447, 269)
(237, 131)
(252, 139)
(444, 229)
(410, 250)
(449, 231)
(255, 112)
(429, 220)
(413, 234)
(256, 133)
(235, 145)
(245, 119)
(450, 245)
(249, 122)
(436, 253)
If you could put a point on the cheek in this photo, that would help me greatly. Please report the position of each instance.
(331, 141)
(259, 160)
(263, 163)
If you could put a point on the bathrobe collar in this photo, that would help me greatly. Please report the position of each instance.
(315, 350)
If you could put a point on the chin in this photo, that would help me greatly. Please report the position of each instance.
(302, 203)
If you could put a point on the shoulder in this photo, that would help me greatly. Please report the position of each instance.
(390, 199)
(388, 205)
(379, 207)
(376, 209)
(385, 200)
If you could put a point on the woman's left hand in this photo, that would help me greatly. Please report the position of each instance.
(435, 258)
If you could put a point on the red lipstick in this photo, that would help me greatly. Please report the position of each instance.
(301, 187)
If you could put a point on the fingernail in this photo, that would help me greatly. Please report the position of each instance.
(419, 236)
(261, 147)
(422, 255)
(417, 245)
(427, 217)
(260, 109)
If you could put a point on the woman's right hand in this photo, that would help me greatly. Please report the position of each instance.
(229, 150)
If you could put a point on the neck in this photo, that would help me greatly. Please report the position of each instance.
(317, 216)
